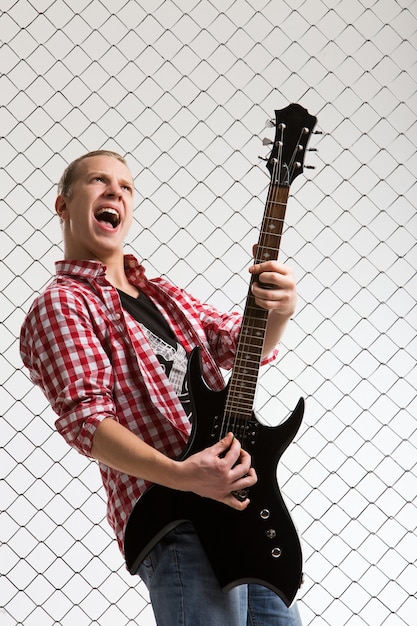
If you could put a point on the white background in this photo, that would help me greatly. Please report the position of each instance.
(185, 90)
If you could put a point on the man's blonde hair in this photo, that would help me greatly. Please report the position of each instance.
(70, 173)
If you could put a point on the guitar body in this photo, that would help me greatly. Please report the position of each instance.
(259, 544)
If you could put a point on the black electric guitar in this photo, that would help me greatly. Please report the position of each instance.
(259, 544)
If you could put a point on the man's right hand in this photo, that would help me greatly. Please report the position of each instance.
(218, 471)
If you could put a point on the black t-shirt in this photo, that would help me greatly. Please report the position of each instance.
(169, 352)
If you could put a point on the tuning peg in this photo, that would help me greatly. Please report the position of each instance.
(266, 141)
(317, 132)
(270, 123)
(262, 158)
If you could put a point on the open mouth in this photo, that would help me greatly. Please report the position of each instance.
(109, 216)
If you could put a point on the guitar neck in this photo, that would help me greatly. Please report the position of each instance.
(243, 382)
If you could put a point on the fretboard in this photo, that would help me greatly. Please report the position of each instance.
(243, 382)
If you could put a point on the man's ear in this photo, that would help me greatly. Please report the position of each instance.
(61, 207)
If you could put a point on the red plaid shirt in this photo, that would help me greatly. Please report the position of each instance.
(93, 361)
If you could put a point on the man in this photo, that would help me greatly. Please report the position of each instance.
(109, 349)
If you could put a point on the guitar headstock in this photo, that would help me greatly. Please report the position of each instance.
(293, 127)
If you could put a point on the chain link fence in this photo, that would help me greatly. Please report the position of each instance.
(185, 90)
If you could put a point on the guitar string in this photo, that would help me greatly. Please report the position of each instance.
(253, 353)
(266, 247)
(293, 165)
(231, 417)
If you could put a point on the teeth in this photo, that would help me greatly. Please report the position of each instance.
(107, 210)
(111, 214)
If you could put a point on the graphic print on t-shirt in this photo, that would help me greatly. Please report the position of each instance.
(174, 362)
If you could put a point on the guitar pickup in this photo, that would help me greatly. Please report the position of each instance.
(245, 431)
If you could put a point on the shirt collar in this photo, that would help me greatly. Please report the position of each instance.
(88, 269)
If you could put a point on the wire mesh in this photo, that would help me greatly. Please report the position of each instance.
(185, 90)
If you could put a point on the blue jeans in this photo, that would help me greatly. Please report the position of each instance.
(185, 592)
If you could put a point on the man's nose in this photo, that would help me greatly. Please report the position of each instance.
(114, 189)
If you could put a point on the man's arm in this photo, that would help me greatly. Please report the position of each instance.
(212, 473)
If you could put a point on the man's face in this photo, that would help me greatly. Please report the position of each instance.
(98, 212)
